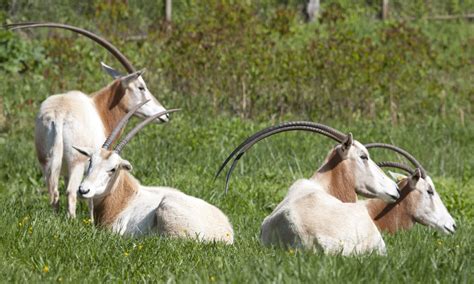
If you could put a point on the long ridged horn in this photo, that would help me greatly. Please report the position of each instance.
(396, 165)
(284, 127)
(401, 152)
(103, 42)
(139, 127)
(287, 126)
(120, 125)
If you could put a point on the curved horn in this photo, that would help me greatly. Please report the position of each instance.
(8, 26)
(400, 151)
(253, 142)
(396, 165)
(103, 42)
(283, 127)
(115, 132)
(288, 126)
(139, 127)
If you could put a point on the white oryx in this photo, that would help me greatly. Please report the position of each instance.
(74, 118)
(126, 207)
(314, 215)
(418, 203)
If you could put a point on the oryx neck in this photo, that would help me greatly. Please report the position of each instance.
(393, 217)
(108, 208)
(111, 105)
(337, 178)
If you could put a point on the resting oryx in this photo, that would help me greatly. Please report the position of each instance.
(126, 207)
(82, 120)
(313, 214)
(418, 202)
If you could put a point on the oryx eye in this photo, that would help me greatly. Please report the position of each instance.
(141, 88)
(364, 157)
(430, 191)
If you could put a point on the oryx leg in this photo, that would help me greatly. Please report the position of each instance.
(76, 172)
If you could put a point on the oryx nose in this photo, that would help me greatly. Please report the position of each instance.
(82, 191)
(164, 117)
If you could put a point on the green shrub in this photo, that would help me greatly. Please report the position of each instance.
(261, 61)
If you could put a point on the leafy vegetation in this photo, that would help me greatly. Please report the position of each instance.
(236, 67)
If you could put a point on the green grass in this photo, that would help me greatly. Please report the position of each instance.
(185, 154)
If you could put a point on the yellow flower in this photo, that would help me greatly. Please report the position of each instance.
(60, 279)
(20, 224)
(291, 251)
(440, 242)
(30, 230)
(140, 247)
(45, 269)
(87, 221)
(126, 253)
(212, 279)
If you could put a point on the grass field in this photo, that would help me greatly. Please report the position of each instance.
(38, 245)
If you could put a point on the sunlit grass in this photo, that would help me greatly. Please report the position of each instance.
(36, 244)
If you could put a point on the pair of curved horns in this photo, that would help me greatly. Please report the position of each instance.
(123, 122)
(238, 152)
(103, 42)
(402, 152)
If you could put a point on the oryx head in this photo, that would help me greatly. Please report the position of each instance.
(369, 180)
(422, 200)
(136, 91)
(105, 164)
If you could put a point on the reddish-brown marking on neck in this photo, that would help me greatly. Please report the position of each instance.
(395, 216)
(109, 208)
(341, 179)
(111, 104)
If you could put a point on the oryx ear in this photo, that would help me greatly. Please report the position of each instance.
(347, 143)
(111, 71)
(86, 151)
(127, 79)
(124, 164)
(396, 176)
(416, 175)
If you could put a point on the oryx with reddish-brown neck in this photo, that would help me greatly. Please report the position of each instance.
(418, 203)
(126, 207)
(82, 120)
(313, 214)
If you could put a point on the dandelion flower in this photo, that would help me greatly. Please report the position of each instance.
(45, 269)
